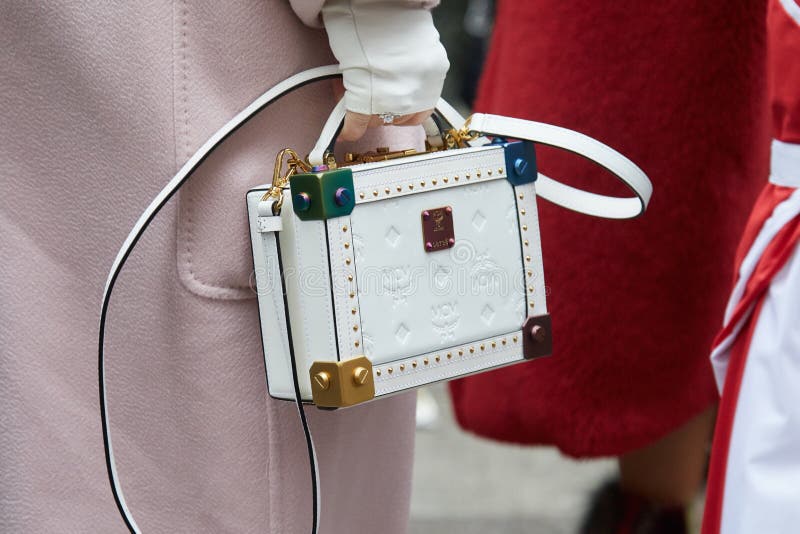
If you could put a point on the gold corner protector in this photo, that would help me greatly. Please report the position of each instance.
(342, 384)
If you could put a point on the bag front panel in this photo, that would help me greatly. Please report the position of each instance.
(422, 316)
(365, 285)
(412, 300)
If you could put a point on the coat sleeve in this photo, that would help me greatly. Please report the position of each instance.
(391, 58)
(309, 10)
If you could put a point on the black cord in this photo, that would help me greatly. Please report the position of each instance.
(299, 403)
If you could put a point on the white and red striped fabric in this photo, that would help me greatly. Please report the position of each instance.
(754, 476)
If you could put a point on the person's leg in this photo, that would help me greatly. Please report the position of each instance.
(670, 470)
(657, 484)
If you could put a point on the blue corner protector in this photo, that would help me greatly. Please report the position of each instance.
(520, 162)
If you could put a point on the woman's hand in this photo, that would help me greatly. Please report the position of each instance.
(356, 124)
(392, 62)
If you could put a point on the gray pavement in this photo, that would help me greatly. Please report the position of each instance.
(468, 485)
(464, 484)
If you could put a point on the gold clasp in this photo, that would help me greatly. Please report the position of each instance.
(293, 162)
(458, 138)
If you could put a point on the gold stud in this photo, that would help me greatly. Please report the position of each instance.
(355, 328)
(494, 344)
(455, 178)
(522, 211)
(414, 364)
(323, 380)
(500, 170)
(349, 277)
(530, 289)
(526, 242)
(422, 184)
(445, 180)
(347, 245)
(347, 261)
(483, 346)
(425, 361)
(360, 375)
(527, 258)
(378, 372)
(524, 227)
(472, 350)
(353, 311)
(411, 186)
(433, 181)
(352, 295)
(375, 193)
(468, 176)
(521, 196)
(460, 352)
(503, 342)
(390, 370)
(437, 358)
(399, 188)
(478, 174)
(489, 172)
(361, 194)
(387, 190)
(530, 273)
(402, 367)
(531, 305)
(357, 343)
(449, 355)
(344, 228)
(514, 339)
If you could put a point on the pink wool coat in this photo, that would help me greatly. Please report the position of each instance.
(99, 106)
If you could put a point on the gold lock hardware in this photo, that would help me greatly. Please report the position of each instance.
(341, 384)
(380, 154)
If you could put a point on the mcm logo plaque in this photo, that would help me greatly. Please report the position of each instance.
(437, 229)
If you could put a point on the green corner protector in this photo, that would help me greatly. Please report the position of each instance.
(323, 195)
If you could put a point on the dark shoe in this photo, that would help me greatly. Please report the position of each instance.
(613, 511)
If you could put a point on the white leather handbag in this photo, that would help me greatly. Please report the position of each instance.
(385, 271)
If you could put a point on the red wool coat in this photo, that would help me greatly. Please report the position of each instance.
(678, 87)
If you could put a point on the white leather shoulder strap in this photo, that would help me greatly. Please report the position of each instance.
(270, 96)
(583, 145)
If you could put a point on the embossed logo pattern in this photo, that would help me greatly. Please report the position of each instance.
(486, 274)
(444, 320)
(396, 281)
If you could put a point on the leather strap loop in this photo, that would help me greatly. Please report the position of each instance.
(583, 145)
(564, 195)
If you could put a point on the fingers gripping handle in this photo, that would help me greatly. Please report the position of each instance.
(331, 128)
(583, 145)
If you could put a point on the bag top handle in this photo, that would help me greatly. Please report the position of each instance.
(556, 192)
